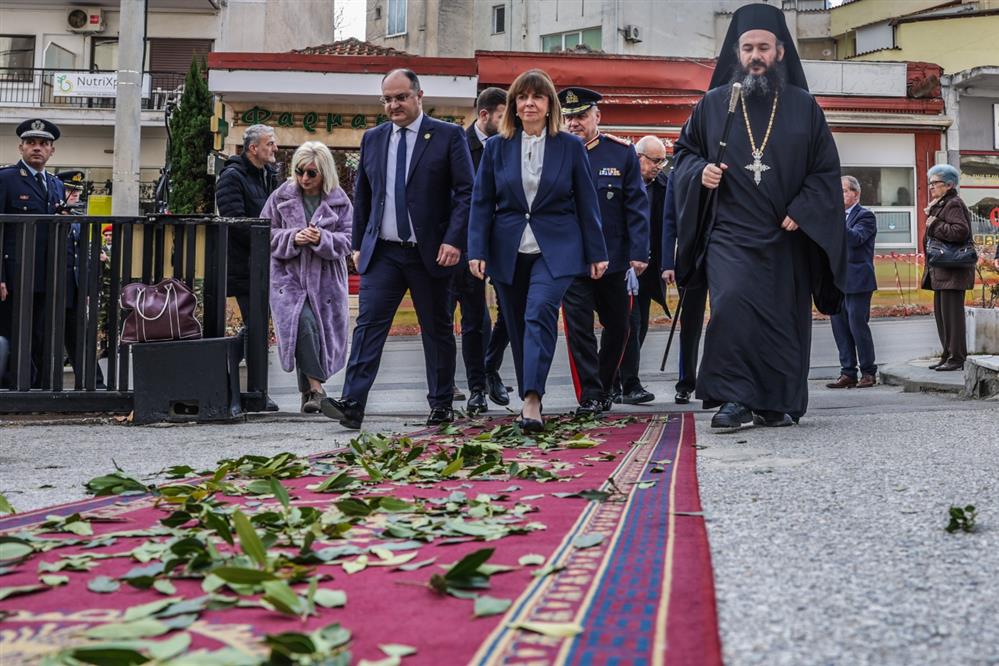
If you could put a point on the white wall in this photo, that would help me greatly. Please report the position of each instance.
(873, 149)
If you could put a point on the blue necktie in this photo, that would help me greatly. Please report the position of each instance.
(41, 182)
(401, 211)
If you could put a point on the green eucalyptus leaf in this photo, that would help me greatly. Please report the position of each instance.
(106, 656)
(242, 575)
(469, 565)
(397, 650)
(53, 580)
(353, 507)
(328, 598)
(5, 505)
(103, 585)
(21, 590)
(145, 628)
(171, 647)
(145, 610)
(279, 491)
(486, 606)
(453, 467)
(249, 541)
(163, 586)
(13, 548)
(588, 540)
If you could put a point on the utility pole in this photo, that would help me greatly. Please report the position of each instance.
(128, 108)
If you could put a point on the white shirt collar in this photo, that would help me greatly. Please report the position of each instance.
(414, 126)
(479, 133)
(850, 210)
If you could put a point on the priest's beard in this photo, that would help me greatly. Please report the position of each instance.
(772, 80)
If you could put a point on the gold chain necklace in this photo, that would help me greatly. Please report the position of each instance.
(758, 167)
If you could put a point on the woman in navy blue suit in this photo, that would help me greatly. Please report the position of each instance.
(533, 227)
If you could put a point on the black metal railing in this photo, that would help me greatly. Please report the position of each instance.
(21, 86)
(142, 249)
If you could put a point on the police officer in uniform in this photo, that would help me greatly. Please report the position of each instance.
(624, 211)
(26, 188)
(75, 284)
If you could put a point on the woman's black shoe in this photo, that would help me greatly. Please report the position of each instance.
(530, 425)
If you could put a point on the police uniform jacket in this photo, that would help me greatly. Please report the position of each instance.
(21, 194)
(624, 203)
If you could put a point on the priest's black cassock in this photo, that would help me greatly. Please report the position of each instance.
(761, 279)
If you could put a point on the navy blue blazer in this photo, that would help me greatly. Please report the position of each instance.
(861, 229)
(669, 227)
(565, 217)
(20, 194)
(438, 191)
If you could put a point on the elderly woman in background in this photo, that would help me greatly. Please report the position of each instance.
(310, 239)
(948, 220)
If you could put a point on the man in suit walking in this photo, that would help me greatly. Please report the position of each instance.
(26, 188)
(411, 200)
(652, 158)
(476, 336)
(694, 302)
(850, 326)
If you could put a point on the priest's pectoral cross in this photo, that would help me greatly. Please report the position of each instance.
(757, 167)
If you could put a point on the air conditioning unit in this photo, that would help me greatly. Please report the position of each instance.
(632, 34)
(85, 19)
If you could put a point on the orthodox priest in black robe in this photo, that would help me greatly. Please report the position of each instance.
(765, 232)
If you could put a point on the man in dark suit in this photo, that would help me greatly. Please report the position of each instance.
(624, 213)
(411, 200)
(470, 292)
(652, 158)
(694, 301)
(850, 326)
(25, 189)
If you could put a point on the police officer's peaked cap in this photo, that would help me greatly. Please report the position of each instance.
(577, 100)
(37, 128)
(72, 179)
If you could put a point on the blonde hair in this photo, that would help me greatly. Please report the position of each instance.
(314, 152)
(531, 81)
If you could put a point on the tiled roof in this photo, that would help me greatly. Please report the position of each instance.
(350, 47)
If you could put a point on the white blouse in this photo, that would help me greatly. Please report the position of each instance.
(532, 158)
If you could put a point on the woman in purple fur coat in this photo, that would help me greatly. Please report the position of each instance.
(310, 239)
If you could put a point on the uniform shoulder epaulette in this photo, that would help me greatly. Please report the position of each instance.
(617, 139)
(7, 166)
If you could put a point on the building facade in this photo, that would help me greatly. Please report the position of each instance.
(670, 28)
(48, 46)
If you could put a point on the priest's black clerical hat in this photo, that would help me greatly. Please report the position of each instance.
(758, 17)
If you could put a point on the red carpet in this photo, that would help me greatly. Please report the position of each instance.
(626, 570)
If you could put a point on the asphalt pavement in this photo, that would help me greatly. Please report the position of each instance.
(827, 538)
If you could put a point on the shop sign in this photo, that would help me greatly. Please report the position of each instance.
(316, 121)
(91, 84)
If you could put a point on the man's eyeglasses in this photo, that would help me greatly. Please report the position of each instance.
(311, 173)
(659, 163)
(400, 98)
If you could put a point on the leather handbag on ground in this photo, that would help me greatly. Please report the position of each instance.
(941, 254)
(159, 312)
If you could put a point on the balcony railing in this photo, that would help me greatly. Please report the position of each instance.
(36, 87)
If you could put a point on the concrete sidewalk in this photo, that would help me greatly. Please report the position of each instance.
(827, 538)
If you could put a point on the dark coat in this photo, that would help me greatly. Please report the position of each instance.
(565, 216)
(20, 194)
(861, 230)
(624, 203)
(242, 191)
(948, 220)
(474, 146)
(317, 273)
(438, 191)
(650, 281)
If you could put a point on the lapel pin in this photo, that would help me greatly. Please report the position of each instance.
(427, 135)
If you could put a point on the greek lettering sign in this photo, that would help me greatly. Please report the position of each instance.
(91, 84)
(318, 121)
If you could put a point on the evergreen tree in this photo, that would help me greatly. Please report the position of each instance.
(192, 189)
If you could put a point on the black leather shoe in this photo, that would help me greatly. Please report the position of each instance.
(637, 397)
(616, 397)
(348, 412)
(477, 403)
(949, 366)
(590, 408)
(731, 415)
(530, 425)
(769, 419)
(682, 397)
(440, 416)
(270, 406)
(937, 364)
(497, 389)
